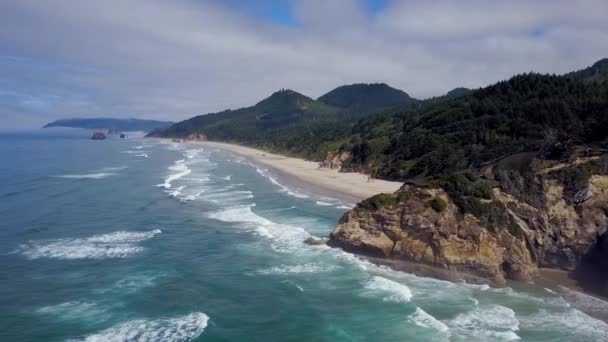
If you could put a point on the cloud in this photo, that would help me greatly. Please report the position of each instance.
(174, 59)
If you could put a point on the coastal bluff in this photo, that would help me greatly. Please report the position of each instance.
(531, 214)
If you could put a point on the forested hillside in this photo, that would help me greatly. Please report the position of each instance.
(461, 130)
(366, 97)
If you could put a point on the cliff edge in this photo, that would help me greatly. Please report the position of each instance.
(504, 221)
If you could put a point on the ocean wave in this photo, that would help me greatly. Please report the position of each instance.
(114, 168)
(145, 155)
(181, 170)
(323, 204)
(99, 175)
(76, 311)
(176, 192)
(569, 323)
(184, 328)
(391, 291)
(487, 323)
(132, 283)
(264, 173)
(422, 319)
(119, 244)
(285, 237)
(347, 207)
(297, 269)
(229, 196)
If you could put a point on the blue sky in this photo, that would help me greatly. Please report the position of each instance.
(165, 59)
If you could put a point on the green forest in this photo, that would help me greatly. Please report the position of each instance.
(395, 137)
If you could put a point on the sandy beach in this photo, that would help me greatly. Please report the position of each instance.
(308, 175)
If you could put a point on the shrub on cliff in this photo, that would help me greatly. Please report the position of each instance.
(378, 201)
(438, 204)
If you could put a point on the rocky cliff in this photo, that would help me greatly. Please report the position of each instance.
(522, 213)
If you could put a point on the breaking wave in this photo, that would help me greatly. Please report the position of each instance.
(99, 175)
(119, 244)
(184, 328)
(488, 323)
(391, 291)
(422, 319)
(297, 269)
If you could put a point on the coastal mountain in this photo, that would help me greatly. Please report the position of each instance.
(500, 181)
(259, 123)
(110, 123)
(459, 91)
(599, 69)
(365, 97)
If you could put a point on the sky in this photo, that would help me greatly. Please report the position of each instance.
(174, 59)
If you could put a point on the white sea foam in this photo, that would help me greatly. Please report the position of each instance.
(569, 323)
(115, 168)
(76, 311)
(119, 244)
(99, 175)
(347, 207)
(297, 269)
(176, 192)
(180, 170)
(486, 323)
(144, 155)
(192, 196)
(551, 291)
(480, 287)
(285, 237)
(323, 204)
(423, 319)
(184, 328)
(391, 291)
(283, 188)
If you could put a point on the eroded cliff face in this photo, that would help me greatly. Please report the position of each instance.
(544, 220)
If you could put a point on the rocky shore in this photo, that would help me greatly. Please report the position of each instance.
(534, 214)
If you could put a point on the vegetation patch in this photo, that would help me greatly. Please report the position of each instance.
(438, 204)
(378, 201)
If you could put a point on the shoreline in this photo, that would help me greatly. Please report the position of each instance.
(355, 187)
(307, 175)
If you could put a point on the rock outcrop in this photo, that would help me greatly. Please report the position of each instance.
(530, 219)
(335, 159)
(196, 137)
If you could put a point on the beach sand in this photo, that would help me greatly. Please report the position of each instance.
(307, 174)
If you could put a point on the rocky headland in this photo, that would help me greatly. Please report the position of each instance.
(501, 222)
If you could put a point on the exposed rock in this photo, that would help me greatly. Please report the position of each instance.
(552, 220)
(315, 242)
(196, 137)
(335, 159)
(98, 136)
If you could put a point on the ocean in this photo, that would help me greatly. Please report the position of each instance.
(149, 240)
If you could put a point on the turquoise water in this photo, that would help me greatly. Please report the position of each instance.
(143, 240)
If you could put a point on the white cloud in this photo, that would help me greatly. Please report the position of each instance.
(174, 59)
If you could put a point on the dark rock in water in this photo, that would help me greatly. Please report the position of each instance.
(315, 242)
(122, 136)
(98, 136)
